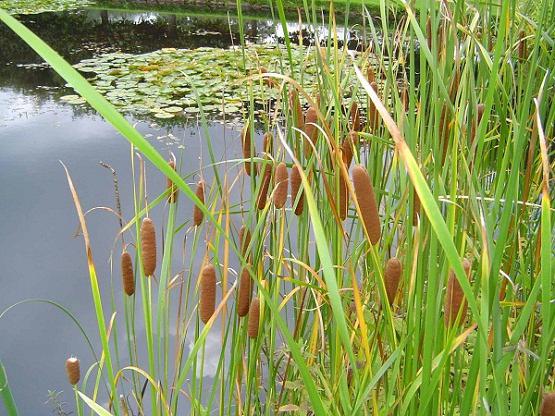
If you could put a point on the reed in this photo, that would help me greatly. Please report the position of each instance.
(207, 299)
(127, 275)
(73, 370)
(281, 186)
(364, 192)
(148, 246)
(198, 215)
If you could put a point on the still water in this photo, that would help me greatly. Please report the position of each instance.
(41, 256)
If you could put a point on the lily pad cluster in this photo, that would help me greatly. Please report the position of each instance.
(171, 82)
(42, 6)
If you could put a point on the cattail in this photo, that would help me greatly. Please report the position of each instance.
(207, 293)
(405, 96)
(343, 197)
(173, 189)
(248, 150)
(254, 318)
(244, 239)
(310, 129)
(295, 104)
(347, 148)
(444, 131)
(264, 186)
(416, 208)
(366, 199)
(455, 302)
(295, 189)
(281, 179)
(355, 117)
(73, 370)
(479, 114)
(197, 213)
(522, 47)
(245, 290)
(455, 84)
(373, 116)
(548, 404)
(268, 141)
(429, 32)
(127, 276)
(148, 246)
(392, 276)
(370, 75)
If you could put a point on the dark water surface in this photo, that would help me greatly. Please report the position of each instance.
(40, 255)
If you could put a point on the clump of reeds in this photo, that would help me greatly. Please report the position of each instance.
(355, 117)
(245, 291)
(198, 215)
(207, 303)
(295, 190)
(172, 197)
(127, 277)
(244, 239)
(455, 301)
(310, 129)
(254, 318)
(73, 370)
(366, 200)
(248, 150)
(548, 404)
(264, 186)
(281, 180)
(392, 277)
(148, 246)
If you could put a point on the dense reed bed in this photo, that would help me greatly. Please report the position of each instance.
(393, 253)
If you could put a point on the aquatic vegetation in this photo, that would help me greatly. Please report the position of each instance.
(42, 6)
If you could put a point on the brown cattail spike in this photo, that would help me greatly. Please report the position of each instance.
(281, 179)
(207, 293)
(254, 318)
(127, 277)
(366, 200)
(347, 147)
(373, 116)
(73, 370)
(295, 104)
(416, 208)
(198, 216)
(172, 188)
(245, 291)
(310, 129)
(355, 117)
(455, 302)
(268, 142)
(522, 47)
(264, 186)
(392, 276)
(370, 75)
(148, 246)
(295, 190)
(548, 404)
(244, 239)
(248, 150)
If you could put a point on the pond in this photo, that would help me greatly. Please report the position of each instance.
(42, 257)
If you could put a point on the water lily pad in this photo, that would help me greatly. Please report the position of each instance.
(164, 115)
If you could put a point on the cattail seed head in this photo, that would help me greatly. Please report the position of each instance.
(373, 115)
(73, 370)
(355, 117)
(347, 147)
(148, 246)
(173, 189)
(295, 189)
(548, 404)
(366, 199)
(268, 141)
(522, 47)
(416, 208)
(198, 215)
(254, 318)
(245, 291)
(127, 277)
(244, 239)
(455, 302)
(392, 276)
(370, 75)
(310, 129)
(281, 180)
(248, 150)
(264, 186)
(207, 303)
(295, 104)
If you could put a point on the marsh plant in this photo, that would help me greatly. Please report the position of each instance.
(392, 248)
